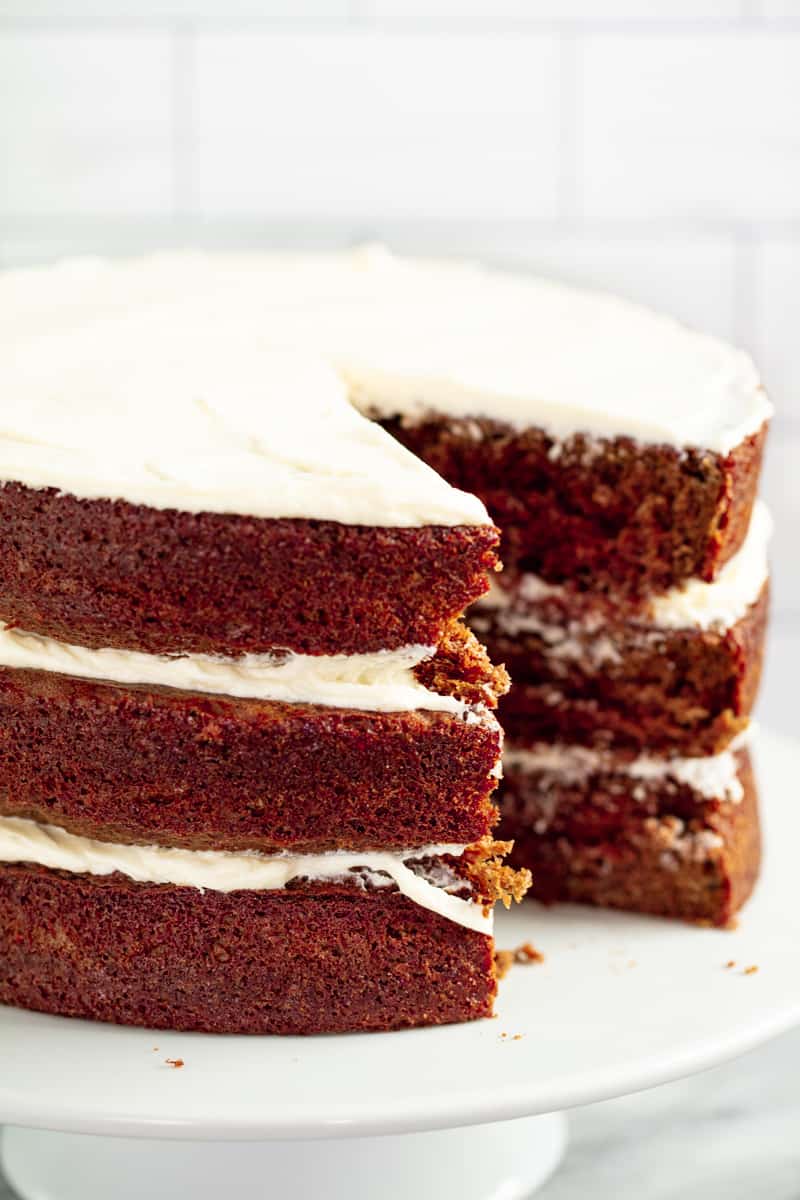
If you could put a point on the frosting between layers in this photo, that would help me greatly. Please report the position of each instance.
(49, 846)
(714, 777)
(231, 383)
(382, 681)
(575, 640)
(693, 605)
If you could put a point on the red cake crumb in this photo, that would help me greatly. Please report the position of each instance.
(523, 955)
(665, 851)
(604, 515)
(110, 573)
(136, 764)
(526, 954)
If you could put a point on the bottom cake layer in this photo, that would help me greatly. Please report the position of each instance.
(319, 957)
(679, 839)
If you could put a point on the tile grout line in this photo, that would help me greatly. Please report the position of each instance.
(357, 18)
(627, 229)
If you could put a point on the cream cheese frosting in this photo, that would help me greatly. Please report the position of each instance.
(382, 681)
(24, 841)
(693, 605)
(191, 413)
(714, 776)
(232, 382)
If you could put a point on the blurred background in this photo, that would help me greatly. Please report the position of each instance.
(647, 146)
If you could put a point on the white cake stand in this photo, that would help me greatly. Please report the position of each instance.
(620, 1003)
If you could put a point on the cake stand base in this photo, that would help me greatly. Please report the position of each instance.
(504, 1161)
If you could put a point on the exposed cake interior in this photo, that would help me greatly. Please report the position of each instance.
(522, 603)
(677, 837)
(617, 516)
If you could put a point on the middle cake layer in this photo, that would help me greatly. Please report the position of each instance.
(677, 676)
(398, 751)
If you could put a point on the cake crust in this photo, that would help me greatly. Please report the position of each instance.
(316, 958)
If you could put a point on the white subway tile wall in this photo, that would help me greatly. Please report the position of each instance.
(531, 13)
(218, 11)
(779, 9)
(776, 335)
(371, 125)
(85, 123)
(646, 146)
(697, 127)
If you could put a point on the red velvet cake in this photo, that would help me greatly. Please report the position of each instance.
(678, 675)
(247, 748)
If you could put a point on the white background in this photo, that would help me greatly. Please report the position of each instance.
(650, 146)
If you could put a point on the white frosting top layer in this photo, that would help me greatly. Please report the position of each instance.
(227, 871)
(185, 410)
(714, 776)
(382, 681)
(220, 382)
(693, 605)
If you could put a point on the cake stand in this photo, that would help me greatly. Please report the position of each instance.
(471, 1111)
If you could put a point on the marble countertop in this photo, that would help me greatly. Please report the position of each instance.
(728, 1134)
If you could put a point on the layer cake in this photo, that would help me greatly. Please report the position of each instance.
(247, 746)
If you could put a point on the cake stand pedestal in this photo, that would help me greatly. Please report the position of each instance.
(620, 1003)
(504, 1161)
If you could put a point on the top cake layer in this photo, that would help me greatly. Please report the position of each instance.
(185, 467)
(180, 343)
